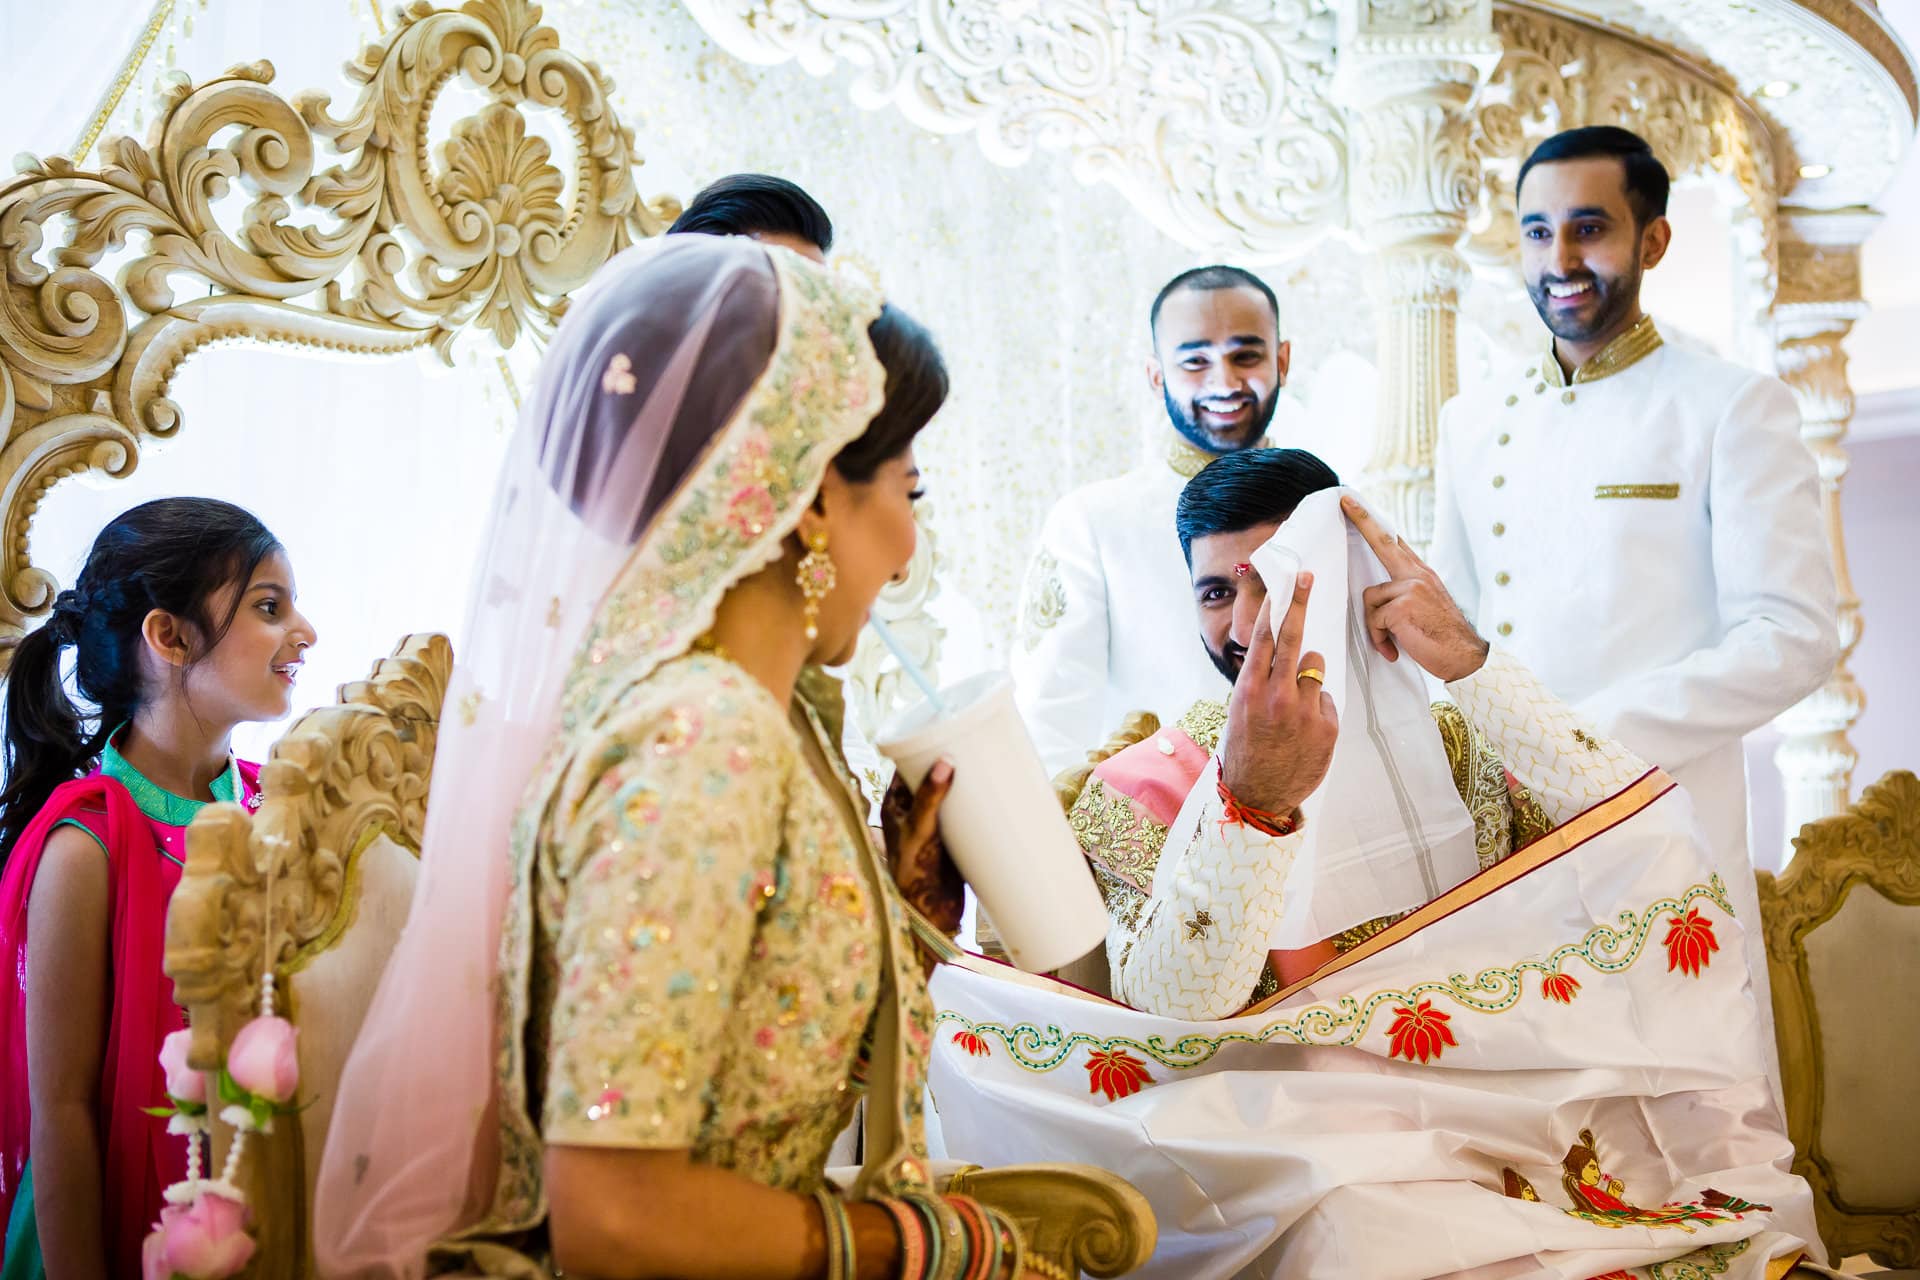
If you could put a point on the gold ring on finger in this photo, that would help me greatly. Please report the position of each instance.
(1314, 674)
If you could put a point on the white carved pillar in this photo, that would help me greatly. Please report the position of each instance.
(1817, 302)
(1406, 71)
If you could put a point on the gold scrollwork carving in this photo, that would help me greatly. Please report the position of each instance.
(279, 886)
(1077, 1218)
(391, 249)
(341, 773)
(1558, 73)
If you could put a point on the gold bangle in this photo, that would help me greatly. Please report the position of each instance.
(839, 1231)
(1014, 1247)
(947, 1234)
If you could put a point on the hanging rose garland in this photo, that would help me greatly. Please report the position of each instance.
(203, 1232)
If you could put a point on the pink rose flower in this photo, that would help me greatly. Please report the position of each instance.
(184, 1084)
(206, 1240)
(262, 1060)
(153, 1256)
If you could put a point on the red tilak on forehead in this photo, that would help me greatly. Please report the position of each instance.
(1242, 569)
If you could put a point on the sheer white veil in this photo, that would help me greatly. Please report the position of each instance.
(651, 365)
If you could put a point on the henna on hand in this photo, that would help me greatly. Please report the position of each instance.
(926, 876)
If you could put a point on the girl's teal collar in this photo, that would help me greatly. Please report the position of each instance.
(156, 802)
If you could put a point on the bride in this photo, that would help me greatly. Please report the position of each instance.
(654, 955)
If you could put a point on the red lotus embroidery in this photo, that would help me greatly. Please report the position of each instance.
(1615, 1275)
(1419, 1033)
(1690, 943)
(1116, 1073)
(1560, 986)
(972, 1042)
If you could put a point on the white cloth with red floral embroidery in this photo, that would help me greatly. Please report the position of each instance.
(1574, 1023)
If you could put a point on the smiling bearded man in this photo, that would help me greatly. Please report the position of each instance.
(1102, 624)
(1638, 523)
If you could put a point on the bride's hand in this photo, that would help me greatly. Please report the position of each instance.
(926, 875)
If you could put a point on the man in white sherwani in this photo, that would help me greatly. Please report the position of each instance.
(1637, 522)
(1106, 616)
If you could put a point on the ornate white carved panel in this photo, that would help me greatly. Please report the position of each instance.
(1847, 108)
(1215, 119)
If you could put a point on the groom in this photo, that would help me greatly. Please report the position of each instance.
(1555, 1067)
(1191, 936)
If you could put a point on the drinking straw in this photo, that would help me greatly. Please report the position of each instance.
(907, 664)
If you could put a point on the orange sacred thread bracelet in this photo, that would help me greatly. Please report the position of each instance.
(1245, 815)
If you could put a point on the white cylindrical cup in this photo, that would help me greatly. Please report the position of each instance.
(1002, 822)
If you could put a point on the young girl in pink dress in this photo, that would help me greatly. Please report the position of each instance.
(182, 625)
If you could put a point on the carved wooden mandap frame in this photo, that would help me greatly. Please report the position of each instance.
(407, 256)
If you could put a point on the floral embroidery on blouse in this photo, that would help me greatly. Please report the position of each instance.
(709, 950)
(618, 842)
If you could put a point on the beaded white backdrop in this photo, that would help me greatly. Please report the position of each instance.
(1036, 286)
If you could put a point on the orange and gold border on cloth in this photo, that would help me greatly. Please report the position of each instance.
(1556, 844)
(1784, 1264)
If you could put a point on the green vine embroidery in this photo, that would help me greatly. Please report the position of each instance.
(1701, 1264)
(1605, 949)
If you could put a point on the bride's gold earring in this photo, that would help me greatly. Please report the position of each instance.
(817, 577)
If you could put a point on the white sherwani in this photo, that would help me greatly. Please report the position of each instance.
(1648, 541)
(1107, 621)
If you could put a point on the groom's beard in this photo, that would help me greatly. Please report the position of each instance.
(1227, 661)
(1186, 420)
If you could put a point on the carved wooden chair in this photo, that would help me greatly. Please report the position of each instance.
(326, 869)
(1843, 953)
(1074, 1218)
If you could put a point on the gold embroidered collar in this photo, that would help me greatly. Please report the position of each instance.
(1631, 347)
(1189, 460)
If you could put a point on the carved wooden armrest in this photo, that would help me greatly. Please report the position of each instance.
(1074, 1217)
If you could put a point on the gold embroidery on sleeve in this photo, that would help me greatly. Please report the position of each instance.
(1114, 835)
(1046, 601)
(1204, 722)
